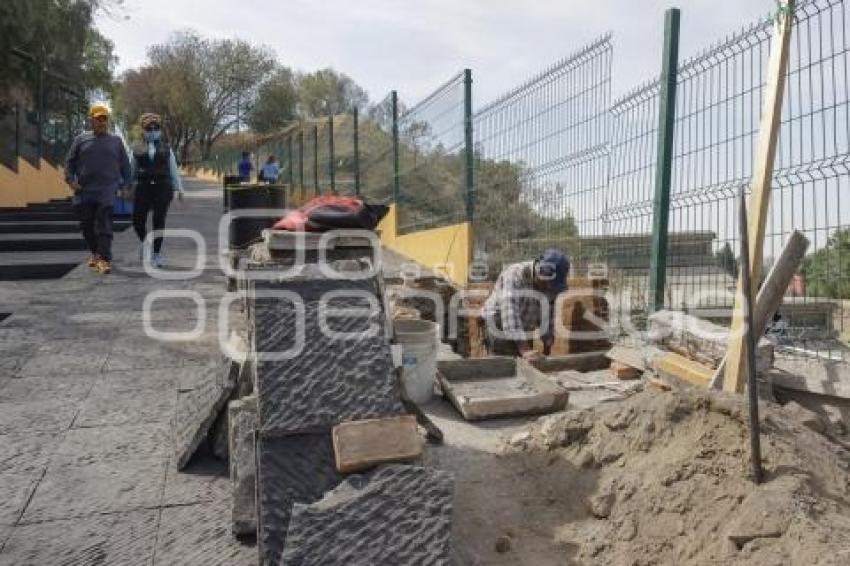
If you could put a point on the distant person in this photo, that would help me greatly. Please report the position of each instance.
(510, 313)
(157, 178)
(245, 167)
(97, 167)
(270, 171)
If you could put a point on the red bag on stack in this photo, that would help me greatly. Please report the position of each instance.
(332, 212)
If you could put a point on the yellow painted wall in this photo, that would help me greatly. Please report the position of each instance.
(31, 185)
(446, 250)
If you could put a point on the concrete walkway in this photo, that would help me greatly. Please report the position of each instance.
(85, 403)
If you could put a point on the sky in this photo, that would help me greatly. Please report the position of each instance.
(414, 47)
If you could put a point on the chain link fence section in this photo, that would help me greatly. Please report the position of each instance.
(376, 152)
(432, 159)
(541, 158)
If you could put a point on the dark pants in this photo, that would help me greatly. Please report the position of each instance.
(96, 225)
(499, 346)
(156, 198)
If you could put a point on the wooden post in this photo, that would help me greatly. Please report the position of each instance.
(761, 188)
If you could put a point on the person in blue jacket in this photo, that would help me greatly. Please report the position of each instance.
(245, 167)
(157, 179)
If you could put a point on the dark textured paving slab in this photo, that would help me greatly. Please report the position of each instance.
(335, 377)
(69, 388)
(126, 539)
(119, 406)
(36, 416)
(27, 452)
(197, 409)
(293, 469)
(15, 491)
(199, 535)
(396, 515)
(104, 487)
(204, 480)
(83, 446)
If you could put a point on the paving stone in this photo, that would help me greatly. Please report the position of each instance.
(290, 469)
(76, 491)
(243, 465)
(118, 406)
(199, 535)
(127, 539)
(82, 446)
(332, 379)
(204, 480)
(142, 358)
(196, 412)
(36, 416)
(27, 452)
(15, 491)
(51, 364)
(395, 515)
(70, 388)
(74, 347)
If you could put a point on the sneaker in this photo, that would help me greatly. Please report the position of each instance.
(103, 266)
(92, 261)
(157, 261)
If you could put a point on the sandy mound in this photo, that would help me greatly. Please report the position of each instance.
(672, 484)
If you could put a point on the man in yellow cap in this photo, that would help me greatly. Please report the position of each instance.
(96, 167)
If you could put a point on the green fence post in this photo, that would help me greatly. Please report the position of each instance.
(356, 155)
(331, 166)
(396, 189)
(666, 127)
(17, 133)
(40, 125)
(291, 160)
(316, 159)
(301, 161)
(467, 131)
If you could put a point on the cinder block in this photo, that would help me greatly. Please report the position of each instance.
(397, 514)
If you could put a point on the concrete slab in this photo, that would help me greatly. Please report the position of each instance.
(397, 514)
(105, 487)
(114, 406)
(83, 446)
(49, 364)
(290, 469)
(15, 491)
(242, 420)
(36, 416)
(68, 388)
(123, 538)
(204, 480)
(27, 452)
(199, 535)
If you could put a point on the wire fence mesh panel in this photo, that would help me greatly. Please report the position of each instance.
(541, 157)
(432, 160)
(375, 141)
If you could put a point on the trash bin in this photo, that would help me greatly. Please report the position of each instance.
(244, 230)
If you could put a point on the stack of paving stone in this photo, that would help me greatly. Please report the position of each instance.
(306, 512)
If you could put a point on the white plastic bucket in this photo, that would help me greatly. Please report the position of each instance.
(419, 340)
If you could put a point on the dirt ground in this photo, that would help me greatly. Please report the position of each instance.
(659, 478)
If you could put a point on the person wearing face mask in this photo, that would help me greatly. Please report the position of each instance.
(157, 178)
(96, 167)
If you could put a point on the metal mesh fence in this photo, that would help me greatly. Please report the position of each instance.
(376, 152)
(432, 188)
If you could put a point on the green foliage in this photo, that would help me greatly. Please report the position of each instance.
(327, 92)
(824, 269)
(276, 102)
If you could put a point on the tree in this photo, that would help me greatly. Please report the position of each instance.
(276, 102)
(327, 92)
(825, 270)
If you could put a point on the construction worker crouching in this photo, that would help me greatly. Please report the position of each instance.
(157, 177)
(96, 168)
(515, 308)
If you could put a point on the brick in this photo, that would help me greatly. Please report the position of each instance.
(360, 445)
(680, 367)
(622, 371)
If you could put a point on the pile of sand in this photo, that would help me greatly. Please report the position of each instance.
(670, 477)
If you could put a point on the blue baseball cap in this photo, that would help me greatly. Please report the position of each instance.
(553, 267)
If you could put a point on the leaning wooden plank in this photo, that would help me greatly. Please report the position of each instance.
(772, 291)
(360, 445)
(679, 367)
(761, 187)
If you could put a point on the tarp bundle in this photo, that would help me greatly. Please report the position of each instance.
(331, 212)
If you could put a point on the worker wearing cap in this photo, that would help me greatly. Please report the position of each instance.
(157, 178)
(514, 309)
(96, 168)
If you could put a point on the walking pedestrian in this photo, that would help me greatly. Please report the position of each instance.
(245, 167)
(157, 178)
(270, 171)
(96, 167)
